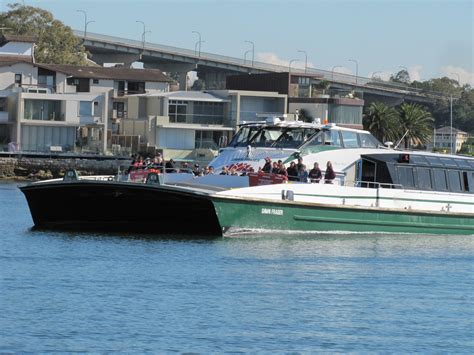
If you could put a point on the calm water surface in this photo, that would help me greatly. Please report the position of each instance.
(271, 293)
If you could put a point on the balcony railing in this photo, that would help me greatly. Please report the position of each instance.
(38, 88)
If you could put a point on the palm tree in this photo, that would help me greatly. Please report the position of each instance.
(382, 121)
(417, 122)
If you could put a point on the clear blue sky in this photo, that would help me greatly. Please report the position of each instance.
(431, 38)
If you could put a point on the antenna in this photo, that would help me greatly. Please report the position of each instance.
(398, 143)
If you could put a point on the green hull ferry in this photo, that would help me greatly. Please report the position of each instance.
(247, 213)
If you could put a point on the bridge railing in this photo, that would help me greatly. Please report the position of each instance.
(331, 76)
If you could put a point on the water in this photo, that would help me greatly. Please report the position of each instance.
(270, 293)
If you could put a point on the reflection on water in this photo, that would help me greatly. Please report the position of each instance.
(271, 292)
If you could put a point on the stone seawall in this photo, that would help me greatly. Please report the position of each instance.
(47, 168)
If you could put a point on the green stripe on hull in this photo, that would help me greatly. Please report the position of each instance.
(291, 216)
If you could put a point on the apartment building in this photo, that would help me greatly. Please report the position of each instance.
(442, 139)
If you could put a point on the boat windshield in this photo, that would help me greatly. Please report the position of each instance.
(343, 138)
(272, 136)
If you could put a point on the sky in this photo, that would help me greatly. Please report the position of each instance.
(430, 38)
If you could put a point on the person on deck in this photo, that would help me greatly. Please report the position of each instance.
(315, 175)
(267, 168)
(303, 173)
(330, 175)
(292, 172)
(169, 166)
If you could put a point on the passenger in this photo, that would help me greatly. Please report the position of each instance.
(233, 171)
(275, 168)
(303, 173)
(196, 170)
(158, 163)
(281, 168)
(292, 172)
(267, 168)
(211, 170)
(330, 175)
(169, 166)
(225, 171)
(315, 175)
(300, 163)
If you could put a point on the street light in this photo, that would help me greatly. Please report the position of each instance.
(198, 43)
(332, 71)
(451, 112)
(357, 67)
(305, 59)
(253, 51)
(144, 33)
(289, 65)
(86, 23)
(245, 55)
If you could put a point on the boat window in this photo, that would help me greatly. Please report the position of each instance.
(294, 137)
(465, 179)
(471, 162)
(266, 137)
(449, 162)
(368, 141)
(332, 138)
(243, 136)
(424, 178)
(454, 181)
(350, 139)
(318, 139)
(405, 176)
(418, 160)
(462, 163)
(440, 179)
(434, 161)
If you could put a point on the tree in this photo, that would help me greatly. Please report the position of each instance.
(417, 123)
(382, 121)
(56, 43)
(401, 77)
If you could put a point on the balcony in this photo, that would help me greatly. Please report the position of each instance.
(38, 89)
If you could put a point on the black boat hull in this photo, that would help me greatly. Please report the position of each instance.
(116, 206)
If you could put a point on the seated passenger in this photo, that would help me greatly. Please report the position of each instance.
(225, 171)
(267, 168)
(315, 175)
(330, 175)
(275, 168)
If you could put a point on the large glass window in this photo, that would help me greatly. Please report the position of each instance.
(368, 141)
(424, 178)
(85, 108)
(350, 139)
(454, 181)
(440, 180)
(294, 137)
(177, 111)
(3, 104)
(243, 136)
(43, 110)
(405, 176)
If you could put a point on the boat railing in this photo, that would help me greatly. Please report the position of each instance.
(371, 184)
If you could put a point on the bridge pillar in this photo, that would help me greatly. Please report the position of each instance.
(126, 59)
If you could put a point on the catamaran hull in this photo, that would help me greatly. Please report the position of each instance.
(114, 206)
(238, 213)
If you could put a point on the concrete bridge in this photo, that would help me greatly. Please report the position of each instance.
(214, 68)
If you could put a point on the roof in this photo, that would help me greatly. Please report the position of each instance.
(112, 73)
(447, 130)
(14, 59)
(188, 96)
(16, 38)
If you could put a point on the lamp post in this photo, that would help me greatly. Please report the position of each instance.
(357, 67)
(198, 43)
(144, 33)
(289, 65)
(451, 112)
(332, 71)
(86, 23)
(245, 55)
(253, 51)
(305, 59)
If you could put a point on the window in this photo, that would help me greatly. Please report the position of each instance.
(405, 176)
(367, 141)
(85, 108)
(177, 111)
(332, 138)
(18, 79)
(440, 180)
(350, 139)
(454, 181)
(95, 81)
(3, 104)
(424, 179)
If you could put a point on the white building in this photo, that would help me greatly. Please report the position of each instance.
(46, 107)
(442, 139)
